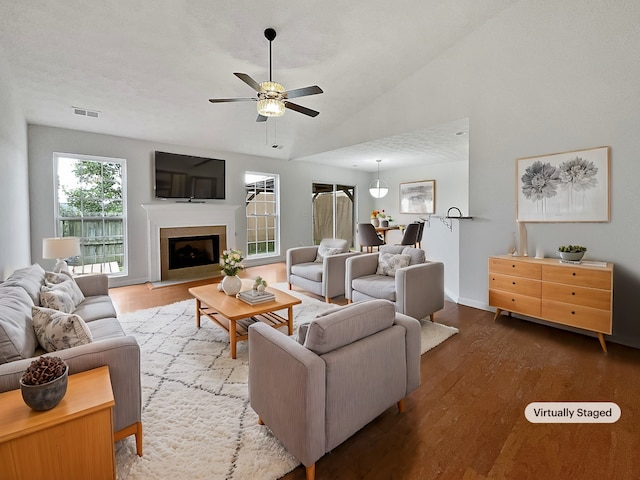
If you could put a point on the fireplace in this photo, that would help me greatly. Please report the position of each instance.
(190, 252)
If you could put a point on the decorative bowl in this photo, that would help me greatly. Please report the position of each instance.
(45, 396)
(572, 256)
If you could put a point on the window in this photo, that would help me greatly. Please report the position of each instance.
(333, 212)
(90, 203)
(263, 221)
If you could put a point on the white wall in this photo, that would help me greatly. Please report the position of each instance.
(543, 76)
(295, 187)
(14, 193)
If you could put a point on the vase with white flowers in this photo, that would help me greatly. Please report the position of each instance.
(231, 264)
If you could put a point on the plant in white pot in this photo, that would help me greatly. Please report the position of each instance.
(572, 253)
(231, 264)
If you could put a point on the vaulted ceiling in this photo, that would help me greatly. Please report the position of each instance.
(148, 67)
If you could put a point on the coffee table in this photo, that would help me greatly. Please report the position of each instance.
(235, 316)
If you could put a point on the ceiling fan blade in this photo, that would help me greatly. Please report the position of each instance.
(261, 118)
(248, 80)
(301, 109)
(223, 100)
(303, 92)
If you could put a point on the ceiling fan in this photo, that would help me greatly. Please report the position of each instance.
(271, 96)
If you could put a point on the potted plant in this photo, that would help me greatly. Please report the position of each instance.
(44, 383)
(572, 253)
(384, 218)
(231, 264)
(374, 218)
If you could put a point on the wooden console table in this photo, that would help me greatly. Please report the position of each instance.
(569, 294)
(72, 440)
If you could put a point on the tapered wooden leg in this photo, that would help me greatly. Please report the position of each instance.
(260, 422)
(602, 344)
(289, 286)
(197, 313)
(401, 406)
(431, 317)
(311, 472)
(498, 312)
(135, 429)
(327, 299)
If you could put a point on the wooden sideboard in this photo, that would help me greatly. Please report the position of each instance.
(569, 294)
(72, 440)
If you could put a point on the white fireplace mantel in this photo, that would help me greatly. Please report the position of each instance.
(168, 215)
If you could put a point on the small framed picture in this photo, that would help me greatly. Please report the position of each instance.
(418, 197)
(564, 187)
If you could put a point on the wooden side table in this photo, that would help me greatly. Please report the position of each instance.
(72, 440)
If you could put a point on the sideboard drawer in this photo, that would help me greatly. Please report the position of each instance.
(509, 283)
(589, 297)
(515, 267)
(575, 275)
(577, 316)
(514, 302)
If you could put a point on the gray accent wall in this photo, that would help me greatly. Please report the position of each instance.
(14, 189)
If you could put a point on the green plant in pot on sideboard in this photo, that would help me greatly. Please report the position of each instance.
(44, 383)
(231, 264)
(384, 218)
(572, 253)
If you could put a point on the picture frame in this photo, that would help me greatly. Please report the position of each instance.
(564, 187)
(418, 198)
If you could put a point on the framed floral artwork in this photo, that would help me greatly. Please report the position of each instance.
(418, 197)
(564, 187)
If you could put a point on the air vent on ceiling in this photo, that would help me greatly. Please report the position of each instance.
(86, 113)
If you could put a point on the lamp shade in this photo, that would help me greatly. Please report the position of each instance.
(60, 247)
(378, 188)
(270, 107)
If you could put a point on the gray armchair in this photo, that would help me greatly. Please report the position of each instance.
(347, 367)
(417, 289)
(322, 275)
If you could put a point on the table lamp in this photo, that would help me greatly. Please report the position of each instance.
(60, 248)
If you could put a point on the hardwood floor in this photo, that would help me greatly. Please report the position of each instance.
(466, 420)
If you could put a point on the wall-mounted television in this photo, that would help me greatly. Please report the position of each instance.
(186, 176)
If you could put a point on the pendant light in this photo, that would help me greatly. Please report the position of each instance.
(378, 188)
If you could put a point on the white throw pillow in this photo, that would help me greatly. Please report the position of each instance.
(389, 263)
(58, 299)
(57, 330)
(325, 252)
(64, 281)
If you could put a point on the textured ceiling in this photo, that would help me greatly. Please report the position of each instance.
(149, 67)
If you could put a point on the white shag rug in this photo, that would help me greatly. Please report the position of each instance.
(197, 422)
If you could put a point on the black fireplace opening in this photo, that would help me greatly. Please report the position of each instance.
(187, 252)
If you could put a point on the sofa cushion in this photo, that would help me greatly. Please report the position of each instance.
(389, 263)
(57, 299)
(324, 251)
(417, 255)
(95, 308)
(105, 328)
(348, 324)
(376, 286)
(391, 248)
(303, 328)
(17, 337)
(30, 279)
(64, 281)
(57, 330)
(311, 271)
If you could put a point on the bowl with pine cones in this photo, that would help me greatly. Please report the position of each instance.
(44, 383)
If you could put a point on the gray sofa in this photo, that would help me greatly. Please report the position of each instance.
(309, 268)
(347, 367)
(110, 345)
(417, 290)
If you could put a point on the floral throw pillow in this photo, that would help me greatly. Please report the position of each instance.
(63, 281)
(57, 330)
(325, 252)
(57, 299)
(389, 263)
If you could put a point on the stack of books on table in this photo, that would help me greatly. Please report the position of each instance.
(253, 297)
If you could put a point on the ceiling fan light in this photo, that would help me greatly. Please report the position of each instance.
(269, 107)
(272, 87)
(378, 188)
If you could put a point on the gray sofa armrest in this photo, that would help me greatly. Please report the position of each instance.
(414, 346)
(300, 255)
(358, 266)
(121, 355)
(420, 289)
(93, 284)
(333, 274)
(287, 391)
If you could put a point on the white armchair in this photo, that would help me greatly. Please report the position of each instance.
(320, 268)
(417, 290)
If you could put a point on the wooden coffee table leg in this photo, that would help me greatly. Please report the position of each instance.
(232, 337)
(290, 320)
(197, 313)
